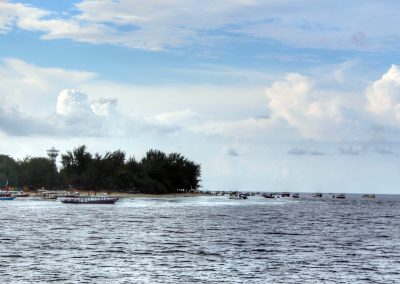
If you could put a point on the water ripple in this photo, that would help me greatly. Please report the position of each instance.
(201, 240)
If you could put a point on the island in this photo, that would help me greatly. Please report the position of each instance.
(155, 173)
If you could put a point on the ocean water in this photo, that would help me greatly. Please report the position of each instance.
(201, 240)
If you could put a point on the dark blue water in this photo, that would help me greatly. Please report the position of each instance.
(201, 240)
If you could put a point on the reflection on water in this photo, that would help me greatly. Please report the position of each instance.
(201, 240)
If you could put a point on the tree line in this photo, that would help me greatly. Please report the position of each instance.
(156, 172)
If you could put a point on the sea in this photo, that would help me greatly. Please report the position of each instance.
(205, 239)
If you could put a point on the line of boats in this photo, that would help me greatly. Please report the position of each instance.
(69, 197)
(11, 195)
(285, 195)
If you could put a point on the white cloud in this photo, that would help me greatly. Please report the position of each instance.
(72, 102)
(104, 107)
(30, 86)
(293, 107)
(314, 113)
(156, 24)
(384, 97)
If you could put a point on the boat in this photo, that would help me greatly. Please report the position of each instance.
(369, 196)
(68, 194)
(237, 196)
(319, 195)
(19, 194)
(7, 197)
(269, 195)
(296, 195)
(4, 193)
(341, 196)
(90, 200)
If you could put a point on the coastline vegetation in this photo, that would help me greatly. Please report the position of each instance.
(156, 173)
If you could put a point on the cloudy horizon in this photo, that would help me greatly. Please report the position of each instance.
(265, 95)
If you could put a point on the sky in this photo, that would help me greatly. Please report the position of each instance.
(267, 95)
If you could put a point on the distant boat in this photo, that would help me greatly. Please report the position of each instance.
(341, 196)
(236, 195)
(270, 195)
(296, 195)
(369, 196)
(90, 200)
(319, 195)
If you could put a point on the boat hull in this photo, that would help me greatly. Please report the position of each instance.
(90, 200)
(7, 198)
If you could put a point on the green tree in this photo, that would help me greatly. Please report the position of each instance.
(76, 165)
(37, 172)
(8, 171)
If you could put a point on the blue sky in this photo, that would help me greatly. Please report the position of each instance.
(266, 95)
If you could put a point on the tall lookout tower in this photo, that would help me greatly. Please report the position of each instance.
(53, 153)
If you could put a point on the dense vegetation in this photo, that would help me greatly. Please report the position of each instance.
(157, 172)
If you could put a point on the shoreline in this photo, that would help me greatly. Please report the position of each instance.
(135, 195)
(145, 195)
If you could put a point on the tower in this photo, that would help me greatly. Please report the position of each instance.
(53, 153)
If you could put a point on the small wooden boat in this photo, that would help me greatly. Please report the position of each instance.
(90, 200)
(340, 196)
(296, 195)
(270, 196)
(369, 196)
(237, 196)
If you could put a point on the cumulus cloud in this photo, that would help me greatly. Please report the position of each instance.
(72, 102)
(76, 102)
(295, 101)
(103, 106)
(384, 97)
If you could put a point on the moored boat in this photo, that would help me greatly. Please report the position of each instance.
(19, 194)
(319, 195)
(340, 196)
(90, 200)
(270, 195)
(236, 195)
(369, 196)
(296, 195)
(4, 193)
